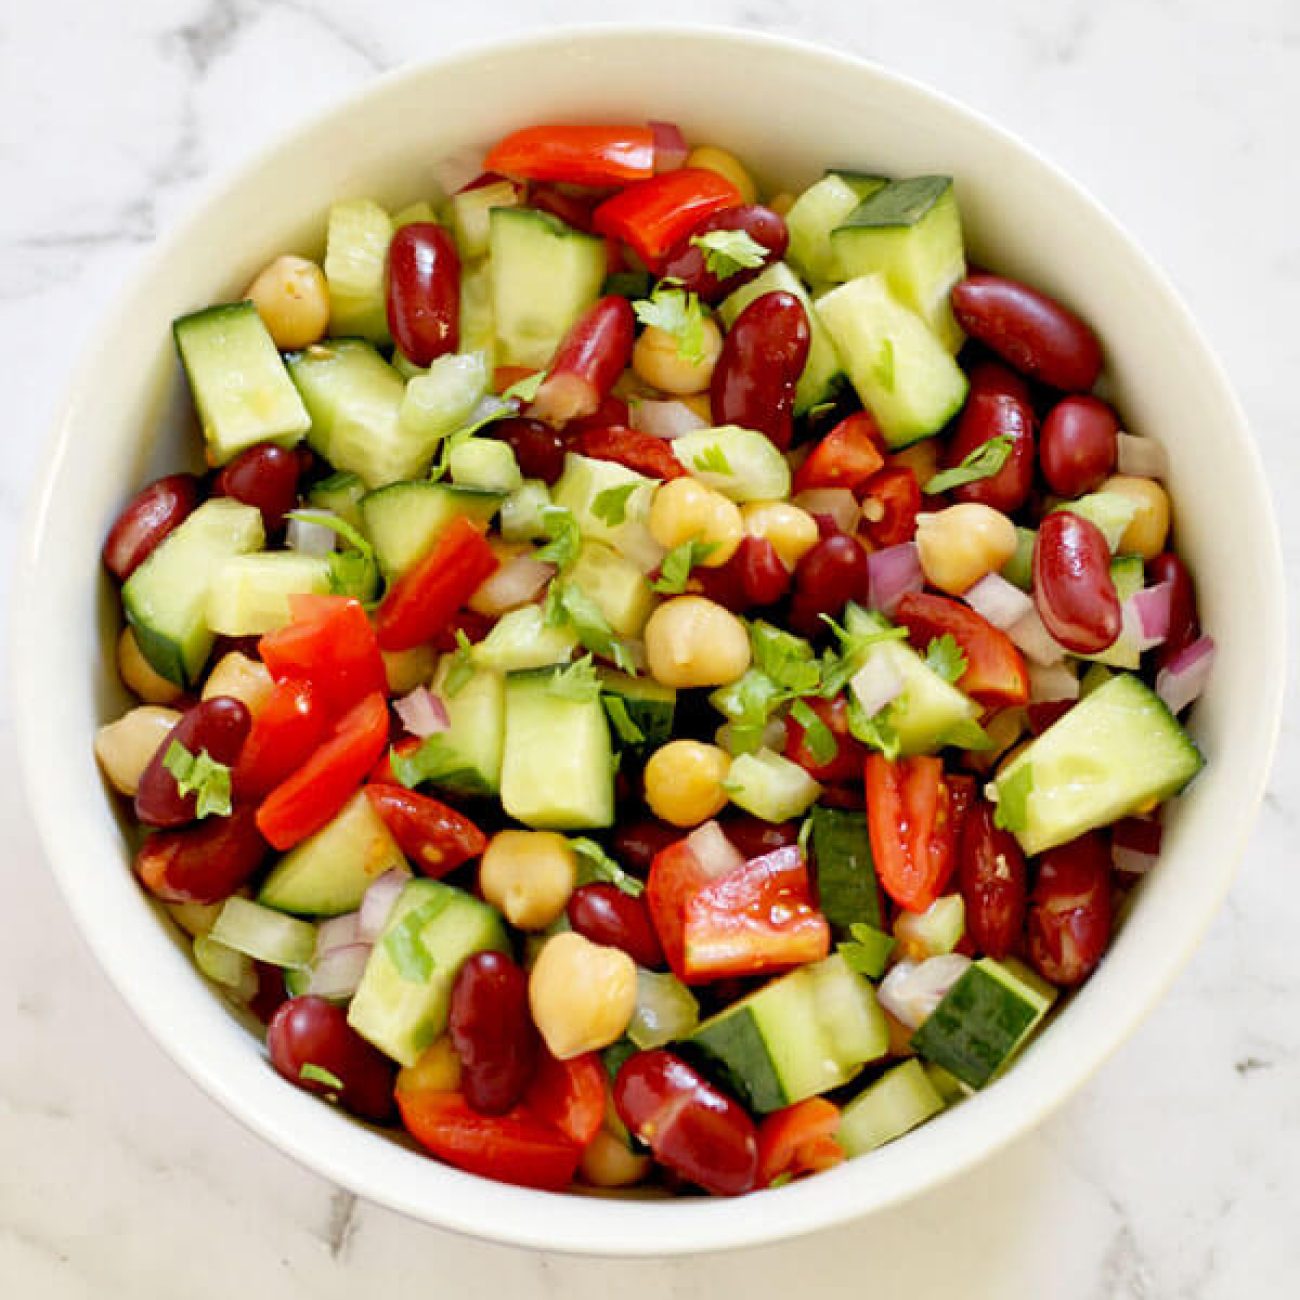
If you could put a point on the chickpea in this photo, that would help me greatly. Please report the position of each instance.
(404, 670)
(727, 165)
(137, 673)
(657, 360)
(529, 875)
(922, 458)
(691, 641)
(782, 203)
(293, 300)
(1149, 528)
(961, 544)
(685, 510)
(792, 532)
(582, 995)
(436, 1070)
(683, 782)
(607, 1162)
(125, 747)
(241, 678)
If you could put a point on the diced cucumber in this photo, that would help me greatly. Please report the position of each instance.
(485, 464)
(583, 480)
(544, 276)
(619, 588)
(166, 598)
(401, 1003)
(742, 464)
(801, 1035)
(471, 212)
(982, 1021)
(816, 212)
(934, 932)
(558, 769)
(1127, 572)
(418, 213)
(901, 371)
(1019, 569)
(478, 330)
(405, 520)
(770, 786)
(898, 1101)
(848, 892)
(1112, 512)
(666, 1010)
(341, 493)
(249, 594)
(1116, 751)
(222, 964)
(523, 639)
(330, 871)
(238, 381)
(821, 373)
(264, 934)
(356, 258)
(521, 512)
(1096, 676)
(647, 705)
(472, 743)
(441, 400)
(910, 232)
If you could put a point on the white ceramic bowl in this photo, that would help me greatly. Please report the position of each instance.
(791, 110)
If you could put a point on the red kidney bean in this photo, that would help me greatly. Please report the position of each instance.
(1184, 625)
(755, 575)
(688, 265)
(830, 575)
(148, 517)
(1070, 912)
(1072, 584)
(632, 449)
(1035, 333)
(763, 355)
(219, 726)
(265, 476)
(539, 449)
(572, 209)
(423, 292)
(203, 864)
(595, 351)
(308, 1031)
(999, 406)
(993, 882)
(699, 1133)
(492, 1031)
(635, 843)
(755, 838)
(606, 915)
(271, 994)
(612, 413)
(1079, 445)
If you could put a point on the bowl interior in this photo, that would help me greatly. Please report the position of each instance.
(791, 111)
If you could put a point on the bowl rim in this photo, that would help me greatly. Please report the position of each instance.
(592, 1225)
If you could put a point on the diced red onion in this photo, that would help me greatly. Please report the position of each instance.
(1132, 862)
(1183, 678)
(715, 853)
(309, 538)
(378, 903)
(664, 419)
(1048, 682)
(517, 582)
(912, 990)
(1142, 457)
(671, 148)
(338, 932)
(839, 503)
(1000, 602)
(422, 712)
(1031, 637)
(1152, 607)
(892, 573)
(338, 972)
(877, 684)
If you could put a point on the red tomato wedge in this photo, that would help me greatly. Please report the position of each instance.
(437, 839)
(911, 825)
(891, 500)
(569, 1095)
(311, 797)
(284, 735)
(513, 1148)
(676, 876)
(424, 600)
(846, 763)
(642, 452)
(576, 155)
(798, 1140)
(996, 674)
(653, 215)
(845, 458)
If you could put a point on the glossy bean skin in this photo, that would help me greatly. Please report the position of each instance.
(1029, 330)
(635, 843)
(265, 476)
(311, 1031)
(146, 520)
(1079, 445)
(539, 449)
(699, 1133)
(755, 838)
(999, 405)
(833, 573)
(423, 292)
(994, 883)
(1070, 910)
(687, 262)
(763, 355)
(1073, 591)
(205, 863)
(607, 916)
(596, 350)
(492, 1031)
(754, 576)
(219, 726)
(1184, 624)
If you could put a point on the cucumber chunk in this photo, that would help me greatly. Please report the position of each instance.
(1118, 750)
(742, 464)
(619, 588)
(249, 594)
(263, 934)
(238, 381)
(1112, 512)
(770, 786)
(644, 703)
(478, 329)
(818, 211)
(405, 520)
(523, 639)
(471, 212)
(577, 489)
(1127, 572)
(441, 399)
(848, 892)
(897, 1102)
(666, 1010)
(485, 465)
(1019, 569)
(166, 598)
(904, 375)
(341, 493)
(356, 259)
(471, 746)
(522, 511)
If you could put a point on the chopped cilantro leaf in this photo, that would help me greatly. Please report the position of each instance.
(875, 732)
(787, 659)
(462, 666)
(817, 736)
(572, 605)
(676, 568)
(566, 538)
(610, 506)
(354, 573)
(576, 682)
(728, 251)
(867, 951)
(404, 942)
(488, 411)
(985, 461)
(805, 834)
(839, 666)
(435, 760)
(968, 734)
(1011, 812)
(202, 775)
(336, 524)
(311, 1073)
(944, 656)
(747, 704)
(525, 389)
(712, 460)
(595, 865)
(676, 312)
(624, 728)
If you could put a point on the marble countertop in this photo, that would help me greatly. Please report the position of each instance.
(1176, 1173)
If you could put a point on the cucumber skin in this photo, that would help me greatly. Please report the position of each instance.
(845, 872)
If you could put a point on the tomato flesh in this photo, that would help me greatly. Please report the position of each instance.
(910, 822)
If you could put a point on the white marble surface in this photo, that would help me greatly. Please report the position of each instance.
(1175, 1174)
